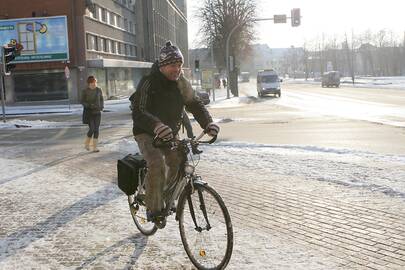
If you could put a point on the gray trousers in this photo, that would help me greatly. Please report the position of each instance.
(163, 165)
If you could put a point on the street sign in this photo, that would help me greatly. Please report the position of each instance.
(207, 79)
(280, 18)
(67, 72)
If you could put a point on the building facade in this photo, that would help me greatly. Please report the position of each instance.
(106, 38)
(165, 20)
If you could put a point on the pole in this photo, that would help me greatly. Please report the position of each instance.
(213, 69)
(227, 58)
(2, 89)
(2, 85)
(227, 48)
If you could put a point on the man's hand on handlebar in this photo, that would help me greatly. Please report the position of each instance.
(212, 129)
(163, 131)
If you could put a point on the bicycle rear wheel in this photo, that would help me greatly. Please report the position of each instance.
(208, 237)
(137, 208)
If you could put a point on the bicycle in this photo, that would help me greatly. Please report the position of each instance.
(204, 223)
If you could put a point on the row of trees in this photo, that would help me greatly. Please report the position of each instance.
(379, 53)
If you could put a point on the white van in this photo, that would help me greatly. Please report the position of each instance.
(268, 82)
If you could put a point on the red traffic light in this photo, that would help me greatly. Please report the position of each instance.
(295, 17)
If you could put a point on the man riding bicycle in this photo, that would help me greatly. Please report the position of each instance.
(158, 105)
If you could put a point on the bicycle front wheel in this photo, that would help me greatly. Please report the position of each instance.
(205, 228)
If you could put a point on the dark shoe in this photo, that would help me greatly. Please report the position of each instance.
(157, 218)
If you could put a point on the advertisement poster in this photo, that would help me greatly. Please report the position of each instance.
(44, 39)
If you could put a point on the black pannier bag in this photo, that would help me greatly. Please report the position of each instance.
(128, 170)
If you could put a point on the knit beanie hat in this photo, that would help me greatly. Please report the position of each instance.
(170, 54)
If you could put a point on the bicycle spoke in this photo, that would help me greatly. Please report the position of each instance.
(211, 247)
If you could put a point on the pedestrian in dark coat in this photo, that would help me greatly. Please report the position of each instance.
(93, 104)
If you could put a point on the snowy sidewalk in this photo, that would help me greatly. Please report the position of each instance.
(109, 105)
(291, 207)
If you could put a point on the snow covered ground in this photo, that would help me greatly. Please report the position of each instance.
(351, 168)
(362, 82)
(93, 213)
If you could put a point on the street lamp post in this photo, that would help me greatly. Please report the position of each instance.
(227, 49)
(295, 21)
(227, 57)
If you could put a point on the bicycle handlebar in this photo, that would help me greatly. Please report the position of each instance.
(160, 143)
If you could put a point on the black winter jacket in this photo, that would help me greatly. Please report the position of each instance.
(158, 99)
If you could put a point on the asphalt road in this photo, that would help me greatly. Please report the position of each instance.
(345, 117)
(304, 115)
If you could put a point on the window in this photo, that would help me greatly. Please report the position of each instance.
(107, 16)
(27, 37)
(101, 44)
(126, 24)
(113, 46)
(91, 42)
(119, 21)
(105, 45)
(131, 27)
(108, 46)
(88, 41)
(99, 13)
(103, 15)
(92, 13)
(113, 19)
(118, 47)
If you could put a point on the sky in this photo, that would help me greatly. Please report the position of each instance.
(318, 17)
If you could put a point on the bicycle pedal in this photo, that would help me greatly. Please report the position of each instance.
(160, 223)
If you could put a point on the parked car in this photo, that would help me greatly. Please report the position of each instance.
(204, 96)
(331, 78)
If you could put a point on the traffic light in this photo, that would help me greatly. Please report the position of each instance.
(9, 53)
(295, 17)
(197, 65)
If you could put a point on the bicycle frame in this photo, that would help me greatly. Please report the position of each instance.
(200, 209)
(185, 180)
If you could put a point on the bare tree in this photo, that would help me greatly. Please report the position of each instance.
(218, 17)
(349, 46)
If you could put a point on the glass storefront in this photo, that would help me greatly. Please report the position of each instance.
(40, 87)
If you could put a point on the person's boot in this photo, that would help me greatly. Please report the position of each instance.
(87, 143)
(95, 149)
